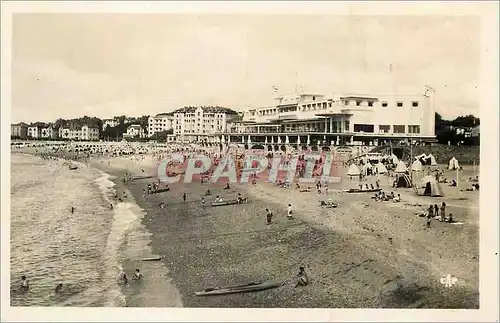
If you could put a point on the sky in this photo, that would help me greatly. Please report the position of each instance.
(70, 65)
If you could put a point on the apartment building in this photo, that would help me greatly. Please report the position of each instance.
(199, 123)
(159, 123)
(50, 132)
(35, 130)
(84, 133)
(19, 130)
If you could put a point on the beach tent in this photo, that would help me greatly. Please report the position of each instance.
(453, 164)
(416, 166)
(395, 159)
(431, 186)
(353, 170)
(403, 181)
(401, 167)
(381, 169)
(423, 156)
(432, 160)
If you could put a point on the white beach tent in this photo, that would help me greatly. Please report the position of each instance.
(395, 159)
(416, 166)
(353, 170)
(401, 167)
(453, 164)
(381, 169)
(433, 160)
(431, 186)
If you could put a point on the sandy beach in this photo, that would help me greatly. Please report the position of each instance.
(362, 254)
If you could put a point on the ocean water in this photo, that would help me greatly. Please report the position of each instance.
(51, 245)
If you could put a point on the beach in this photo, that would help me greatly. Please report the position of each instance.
(361, 254)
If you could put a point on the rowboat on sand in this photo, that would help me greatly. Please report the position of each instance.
(226, 202)
(357, 190)
(246, 288)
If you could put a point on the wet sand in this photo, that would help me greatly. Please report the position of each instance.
(347, 252)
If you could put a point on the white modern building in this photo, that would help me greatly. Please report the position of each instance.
(159, 123)
(200, 123)
(343, 119)
(134, 131)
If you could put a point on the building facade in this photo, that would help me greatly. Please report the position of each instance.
(343, 119)
(84, 133)
(35, 130)
(200, 123)
(50, 132)
(159, 123)
(134, 131)
(19, 130)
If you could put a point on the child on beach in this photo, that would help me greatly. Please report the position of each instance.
(302, 279)
(137, 275)
(289, 212)
(269, 216)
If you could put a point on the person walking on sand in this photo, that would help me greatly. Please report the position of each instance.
(72, 210)
(289, 211)
(269, 216)
(184, 197)
(202, 201)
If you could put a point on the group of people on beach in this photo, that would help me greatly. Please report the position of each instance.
(439, 213)
(137, 276)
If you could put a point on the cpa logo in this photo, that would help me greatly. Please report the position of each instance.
(449, 280)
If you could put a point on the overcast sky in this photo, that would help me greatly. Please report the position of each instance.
(70, 65)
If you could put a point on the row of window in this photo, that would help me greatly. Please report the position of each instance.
(324, 106)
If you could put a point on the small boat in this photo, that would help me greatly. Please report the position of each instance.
(226, 202)
(73, 167)
(152, 259)
(141, 177)
(250, 287)
(357, 190)
(161, 190)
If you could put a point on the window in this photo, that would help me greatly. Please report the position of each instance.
(399, 128)
(346, 125)
(384, 128)
(370, 104)
(346, 102)
(399, 104)
(414, 104)
(363, 128)
(413, 129)
(314, 98)
(358, 103)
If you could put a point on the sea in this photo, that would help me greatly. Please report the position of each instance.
(87, 250)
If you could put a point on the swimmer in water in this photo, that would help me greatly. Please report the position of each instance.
(25, 286)
(124, 279)
(137, 275)
(58, 288)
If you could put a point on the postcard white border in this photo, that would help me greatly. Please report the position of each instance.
(488, 11)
